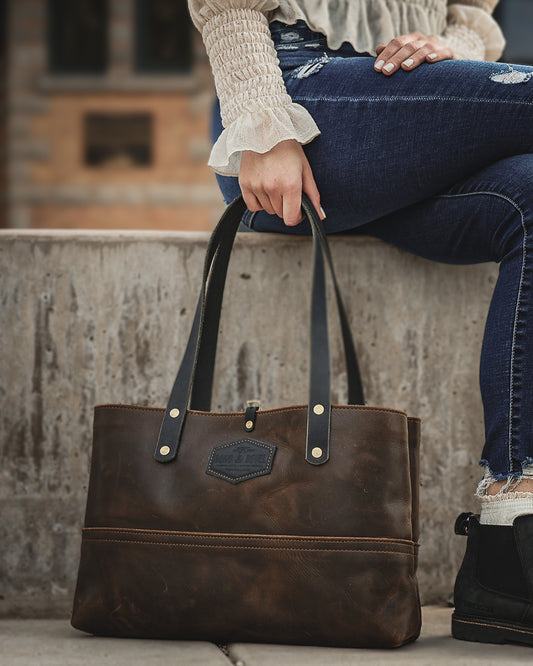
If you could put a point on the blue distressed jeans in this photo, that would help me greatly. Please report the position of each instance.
(437, 161)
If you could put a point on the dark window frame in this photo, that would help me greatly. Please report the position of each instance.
(144, 61)
(3, 28)
(99, 150)
(59, 41)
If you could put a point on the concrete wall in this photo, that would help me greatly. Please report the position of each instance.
(94, 317)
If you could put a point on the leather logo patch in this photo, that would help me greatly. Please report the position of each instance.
(241, 460)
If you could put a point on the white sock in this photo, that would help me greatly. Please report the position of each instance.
(507, 504)
(503, 508)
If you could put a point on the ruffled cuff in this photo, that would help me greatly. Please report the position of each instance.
(473, 34)
(260, 131)
(256, 110)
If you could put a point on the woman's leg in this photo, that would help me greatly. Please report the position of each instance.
(461, 130)
(488, 217)
(389, 142)
(389, 145)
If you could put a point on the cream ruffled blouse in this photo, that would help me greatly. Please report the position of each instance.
(257, 112)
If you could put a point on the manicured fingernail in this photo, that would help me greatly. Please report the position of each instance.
(389, 67)
(322, 211)
(379, 64)
(432, 56)
(409, 62)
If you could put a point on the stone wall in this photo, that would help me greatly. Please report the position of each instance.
(90, 318)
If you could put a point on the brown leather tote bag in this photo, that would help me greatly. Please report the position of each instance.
(290, 525)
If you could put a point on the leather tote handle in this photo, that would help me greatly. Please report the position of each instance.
(319, 411)
(203, 380)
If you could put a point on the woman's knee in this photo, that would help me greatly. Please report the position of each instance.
(505, 190)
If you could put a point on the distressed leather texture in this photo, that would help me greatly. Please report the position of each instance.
(304, 555)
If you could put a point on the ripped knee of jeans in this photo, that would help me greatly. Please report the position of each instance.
(509, 483)
(510, 76)
(311, 67)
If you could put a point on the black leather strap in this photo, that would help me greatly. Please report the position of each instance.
(203, 382)
(204, 333)
(319, 410)
(355, 384)
(174, 418)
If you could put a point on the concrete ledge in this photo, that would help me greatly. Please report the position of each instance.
(94, 317)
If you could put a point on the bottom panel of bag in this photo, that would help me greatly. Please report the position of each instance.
(343, 592)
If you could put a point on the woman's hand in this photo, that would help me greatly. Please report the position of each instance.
(410, 51)
(274, 181)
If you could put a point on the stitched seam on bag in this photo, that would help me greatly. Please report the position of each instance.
(228, 535)
(233, 547)
(247, 477)
(403, 549)
(130, 407)
(273, 410)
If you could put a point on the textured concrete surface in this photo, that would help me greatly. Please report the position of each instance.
(434, 647)
(90, 318)
(52, 642)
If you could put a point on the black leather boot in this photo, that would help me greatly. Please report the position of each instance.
(494, 587)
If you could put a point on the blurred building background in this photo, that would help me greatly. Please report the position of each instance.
(106, 115)
(104, 110)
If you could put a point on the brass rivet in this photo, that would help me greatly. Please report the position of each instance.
(249, 424)
(316, 452)
(174, 413)
(164, 450)
(318, 409)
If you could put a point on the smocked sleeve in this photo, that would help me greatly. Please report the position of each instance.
(257, 112)
(471, 32)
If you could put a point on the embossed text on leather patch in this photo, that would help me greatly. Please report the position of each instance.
(241, 460)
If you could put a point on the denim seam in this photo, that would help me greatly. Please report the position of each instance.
(407, 98)
(517, 308)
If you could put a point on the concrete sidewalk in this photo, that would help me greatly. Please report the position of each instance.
(53, 642)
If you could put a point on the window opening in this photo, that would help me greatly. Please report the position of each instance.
(163, 37)
(118, 139)
(78, 36)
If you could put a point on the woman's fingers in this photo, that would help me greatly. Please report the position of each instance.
(413, 55)
(251, 201)
(408, 52)
(437, 55)
(292, 207)
(266, 203)
(274, 181)
(292, 200)
(257, 201)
